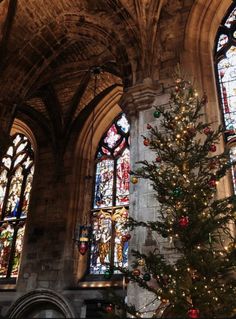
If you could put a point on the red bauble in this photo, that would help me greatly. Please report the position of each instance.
(149, 126)
(191, 131)
(176, 89)
(207, 130)
(212, 182)
(212, 148)
(109, 308)
(193, 313)
(146, 141)
(83, 247)
(183, 221)
(158, 159)
(128, 236)
(136, 272)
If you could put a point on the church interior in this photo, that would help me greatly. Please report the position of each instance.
(79, 81)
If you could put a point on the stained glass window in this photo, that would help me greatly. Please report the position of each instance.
(109, 245)
(225, 60)
(16, 176)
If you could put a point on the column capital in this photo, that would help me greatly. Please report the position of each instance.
(140, 97)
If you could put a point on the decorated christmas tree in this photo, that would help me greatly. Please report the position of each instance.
(199, 280)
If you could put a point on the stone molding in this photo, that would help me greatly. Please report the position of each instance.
(140, 97)
(39, 296)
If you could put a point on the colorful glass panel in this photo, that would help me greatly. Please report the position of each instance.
(225, 57)
(15, 185)
(122, 179)
(104, 184)
(123, 124)
(101, 242)
(108, 248)
(121, 242)
(227, 83)
(231, 19)
(223, 39)
(112, 137)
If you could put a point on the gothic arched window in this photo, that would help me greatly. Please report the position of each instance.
(16, 176)
(109, 245)
(225, 60)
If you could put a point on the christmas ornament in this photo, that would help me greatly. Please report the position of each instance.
(126, 237)
(149, 126)
(177, 192)
(83, 247)
(193, 313)
(146, 141)
(109, 308)
(212, 148)
(107, 274)
(146, 277)
(141, 262)
(191, 131)
(176, 89)
(158, 159)
(134, 180)
(157, 114)
(83, 241)
(183, 221)
(136, 272)
(207, 130)
(212, 182)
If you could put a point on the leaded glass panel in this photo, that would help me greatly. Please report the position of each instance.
(111, 194)
(15, 184)
(225, 58)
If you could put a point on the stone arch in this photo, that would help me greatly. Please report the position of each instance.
(85, 148)
(23, 306)
(198, 58)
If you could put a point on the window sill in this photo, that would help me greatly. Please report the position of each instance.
(8, 284)
(98, 281)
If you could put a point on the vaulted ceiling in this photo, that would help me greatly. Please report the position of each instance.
(49, 49)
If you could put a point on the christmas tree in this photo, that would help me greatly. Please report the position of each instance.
(199, 281)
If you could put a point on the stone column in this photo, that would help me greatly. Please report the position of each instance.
(7, 113)
(138, 103)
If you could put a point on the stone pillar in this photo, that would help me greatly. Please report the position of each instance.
(138, 103)
(7, 113)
